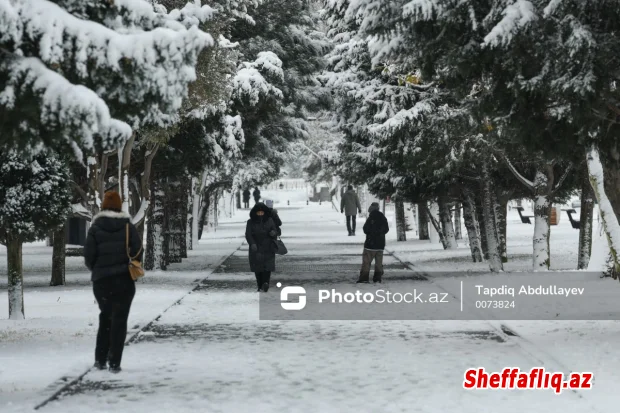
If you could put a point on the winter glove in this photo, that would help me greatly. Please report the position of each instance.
(254, 247)
(273, 233)
(342, 211)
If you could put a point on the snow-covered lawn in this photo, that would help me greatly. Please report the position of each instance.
(212, 353)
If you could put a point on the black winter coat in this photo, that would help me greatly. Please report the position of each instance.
(276, 220)
(246, 196)
(256, 194)
(257, 233)
(105, 253)
(375, 228)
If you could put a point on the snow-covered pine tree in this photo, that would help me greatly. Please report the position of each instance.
(83, 73)
(34, 199)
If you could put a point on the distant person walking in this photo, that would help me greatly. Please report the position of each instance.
(375, 228)
(261, 233)
(111, 238)
(246, 199)
(274, 215)
(350, 205)
(256, 195)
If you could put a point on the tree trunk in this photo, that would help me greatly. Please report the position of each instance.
(457, 221)
(145, 189)
(437, 226)
(124, 162)
(608, 215)
(156, 234)
(490, 229)
(175, 217)
(473, 232)
(58, 257)
(183, 202)
(423, 222)
(543, 185)
(479, 200)
(446, 223)
(401, 223)
(190, 215)
(202, 214)
(16, 279)
(500, 209)
(585, 224)
(238, 198)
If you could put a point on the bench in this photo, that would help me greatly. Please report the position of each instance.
(575, 223)
(524, 218)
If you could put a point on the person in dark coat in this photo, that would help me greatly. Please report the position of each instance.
(111, 238)
(256, 195)
(261, 233)
(246, 198)
(375, 228)
(274, 215)
(350, 205)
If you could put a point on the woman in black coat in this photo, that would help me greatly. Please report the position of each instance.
(106, 256)
(261, 234)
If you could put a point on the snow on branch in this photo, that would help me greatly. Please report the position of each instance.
(71, 107)
(516, 15)
(529, 184)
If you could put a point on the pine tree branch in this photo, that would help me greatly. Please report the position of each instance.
(529, 184)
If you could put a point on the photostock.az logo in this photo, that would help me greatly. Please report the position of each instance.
(286, 291)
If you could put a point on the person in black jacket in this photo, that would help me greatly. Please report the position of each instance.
(261, 233)
(111, 239)
(375, 228)
(256, 195)
(246, 198)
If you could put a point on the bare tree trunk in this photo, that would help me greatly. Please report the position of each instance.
(175, 214)
(585, 224)
(238, 198)
(500, 208)
(58, 257)
(446, 223)
(473, 231)
(490, 229)
(183, 201)
(611, 225)
(145, 189)
(124, 160)
(457, 221)
(16, 279)
(437, 226)
(543, 186)
(401, 223)
(423, 233)
(189, 235)
(156, 235)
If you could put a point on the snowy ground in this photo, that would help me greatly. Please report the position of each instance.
(211, 353)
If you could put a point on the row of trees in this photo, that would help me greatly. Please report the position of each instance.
(476, 103)
(169, 102)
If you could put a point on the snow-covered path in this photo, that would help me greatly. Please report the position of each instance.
(211, 353)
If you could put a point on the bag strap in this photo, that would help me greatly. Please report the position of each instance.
(127, 244)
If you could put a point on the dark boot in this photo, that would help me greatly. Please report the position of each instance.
(363, 278)
(376, 278)
(259, 282)
(266, 279)
(101, 365)
(115, 369)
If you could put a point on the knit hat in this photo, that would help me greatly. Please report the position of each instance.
(112, 201)
(373, 207)
(269, 203)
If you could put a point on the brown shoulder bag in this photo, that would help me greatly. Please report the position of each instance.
(135, 267)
